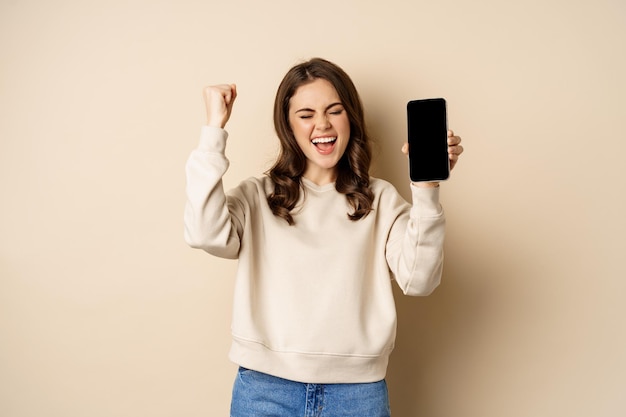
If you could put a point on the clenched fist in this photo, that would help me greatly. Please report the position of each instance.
(219, 100)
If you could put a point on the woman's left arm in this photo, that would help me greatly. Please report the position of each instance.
(415, 245)
(414, 248)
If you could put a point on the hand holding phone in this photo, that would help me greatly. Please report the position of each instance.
(428, 140)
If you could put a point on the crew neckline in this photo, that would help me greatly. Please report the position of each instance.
(313, 186)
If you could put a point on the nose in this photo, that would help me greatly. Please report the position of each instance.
(322, 122)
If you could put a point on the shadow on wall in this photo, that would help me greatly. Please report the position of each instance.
(434, 334)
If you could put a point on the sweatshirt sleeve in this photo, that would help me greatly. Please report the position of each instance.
(211, 223)
(415, 245)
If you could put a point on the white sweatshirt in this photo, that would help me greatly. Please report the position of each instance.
(313, 302)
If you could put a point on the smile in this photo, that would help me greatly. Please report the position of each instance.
(324, 145)
(324, 140)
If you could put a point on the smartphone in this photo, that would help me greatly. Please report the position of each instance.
(428, 140)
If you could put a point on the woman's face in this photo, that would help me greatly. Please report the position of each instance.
(321, 127)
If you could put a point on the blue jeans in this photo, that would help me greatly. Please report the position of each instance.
(256, 394)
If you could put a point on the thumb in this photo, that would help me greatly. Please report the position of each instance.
(230, 95)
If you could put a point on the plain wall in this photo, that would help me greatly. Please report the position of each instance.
(104, 311)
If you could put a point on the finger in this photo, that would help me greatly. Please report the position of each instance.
(454, 140)
(230, 99)
(405, 148)
(453, 157)
(223, 90)
(455, 150)
(230, 94)
(453, 154)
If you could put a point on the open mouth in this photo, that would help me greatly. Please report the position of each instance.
(324, 144)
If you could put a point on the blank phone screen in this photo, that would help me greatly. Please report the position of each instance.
(428, 142)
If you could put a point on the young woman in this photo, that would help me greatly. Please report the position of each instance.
(319, 242)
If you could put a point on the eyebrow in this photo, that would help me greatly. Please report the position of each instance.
(327, 107)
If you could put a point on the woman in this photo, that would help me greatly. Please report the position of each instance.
(318, 242)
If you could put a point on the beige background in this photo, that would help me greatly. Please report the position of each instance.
(105, 312)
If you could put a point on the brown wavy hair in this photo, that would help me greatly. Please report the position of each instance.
(353, 178)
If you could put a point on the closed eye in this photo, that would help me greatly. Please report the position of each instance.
(335, 109)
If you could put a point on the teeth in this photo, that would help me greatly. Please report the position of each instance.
(323, 140)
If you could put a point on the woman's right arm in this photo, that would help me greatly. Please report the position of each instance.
(209, 222)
